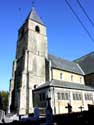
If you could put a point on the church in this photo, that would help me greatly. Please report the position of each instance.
(38, 75)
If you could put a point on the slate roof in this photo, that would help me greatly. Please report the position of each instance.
(86, 63)
(63, 64)
(70, 85)
(67, 85)
(34, 16)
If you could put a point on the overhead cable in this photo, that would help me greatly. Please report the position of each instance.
(86, 14)
(78, 18)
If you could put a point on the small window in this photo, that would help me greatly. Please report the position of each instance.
(71, 77)
(37, 29)
(80, 79)
(88, 96)
(63, 96)
(58, 96)
(67, 96)
(61, 76)
(77, 96)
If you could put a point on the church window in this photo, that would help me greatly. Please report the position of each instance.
(88, 96)
(37, 29)
(67, 95)
(58, 96)
(63, 96)
(61, 76)
(77, 96)
(74, 96)
(80, 79)
(71, 77)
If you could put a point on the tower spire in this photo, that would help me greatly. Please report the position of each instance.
(34, 16)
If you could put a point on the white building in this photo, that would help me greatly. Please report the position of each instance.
(37, 75)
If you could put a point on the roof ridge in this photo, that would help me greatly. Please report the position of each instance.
(82, 57)
(80, 68)
(62, 58)
(63, 64)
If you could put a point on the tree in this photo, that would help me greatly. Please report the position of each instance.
(4, 100)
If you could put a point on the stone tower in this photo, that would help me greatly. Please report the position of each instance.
(29, 65)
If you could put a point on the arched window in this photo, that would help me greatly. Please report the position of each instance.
(71, 77)
(61, 76)
(37, 29)
(80, 79)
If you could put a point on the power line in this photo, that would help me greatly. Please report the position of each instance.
(86, 30)
(83, 9)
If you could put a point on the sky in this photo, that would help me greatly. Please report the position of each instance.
(66, 36)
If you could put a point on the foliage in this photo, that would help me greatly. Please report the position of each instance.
(3, 100)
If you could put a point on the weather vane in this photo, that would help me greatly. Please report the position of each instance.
(33, 3)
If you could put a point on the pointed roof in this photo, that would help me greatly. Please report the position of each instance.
(66, 65)
(34, 16)
(86, 63)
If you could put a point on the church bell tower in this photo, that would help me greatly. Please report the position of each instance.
(31, 54)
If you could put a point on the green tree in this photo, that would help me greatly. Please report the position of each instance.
(4, 100)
